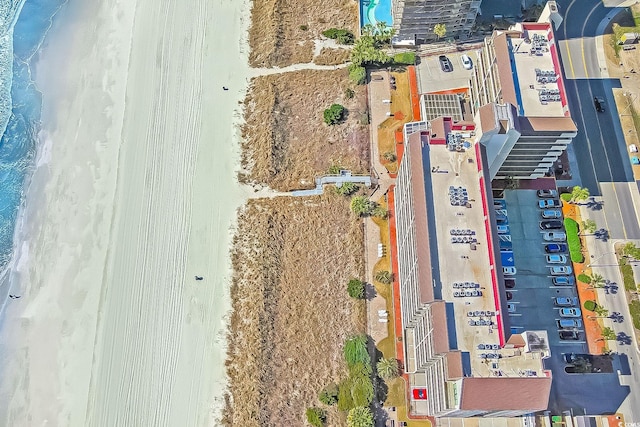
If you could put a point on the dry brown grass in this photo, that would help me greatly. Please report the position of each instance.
(292, 258)
(276, 38)
(400, 101)
(286, 144)
(330, 56)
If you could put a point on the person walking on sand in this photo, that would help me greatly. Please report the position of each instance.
(199, 278)
(14, 296)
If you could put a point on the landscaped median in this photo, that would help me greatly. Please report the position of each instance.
(592, 325)
(573, 239)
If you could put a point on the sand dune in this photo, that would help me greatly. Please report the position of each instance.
(135, 196)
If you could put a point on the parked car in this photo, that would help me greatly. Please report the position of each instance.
(569, 323)
(633, 148)
(511, 308)
(549, 203)
(568, 335)
(509, 283)
(509, 296)
(551, 214)
(552, 224)
(560, 270)
(556, 259)
(563, 281)
(566, 301)
(555, 236)
(445, 64)
(466, 62)
(509, 271)
(600, 104)
(548, 194)
(570, 312)
(635, 160)
(553, 248)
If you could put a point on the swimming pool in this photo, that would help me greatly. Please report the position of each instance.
(374, 11)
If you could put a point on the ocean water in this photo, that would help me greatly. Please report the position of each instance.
(23, 27)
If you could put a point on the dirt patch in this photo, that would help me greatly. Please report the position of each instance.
(282, 32)
(286, 143)
(401, 107)
(292, 258)
(330, 56)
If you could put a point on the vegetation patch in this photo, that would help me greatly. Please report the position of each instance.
(285, 143)
(590, 305)
(634, 309)
(291, 315)
(627, 275)
(566, 197)
(283, 32)
(405, 58)
(573, 239)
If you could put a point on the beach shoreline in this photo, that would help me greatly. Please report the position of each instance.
(134, 193)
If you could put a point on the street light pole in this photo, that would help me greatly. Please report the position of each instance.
(601, 256)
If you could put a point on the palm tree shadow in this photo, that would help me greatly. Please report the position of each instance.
(369, 291)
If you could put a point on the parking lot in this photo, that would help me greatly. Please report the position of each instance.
(534, 295)
(533, 306)
(431, 78)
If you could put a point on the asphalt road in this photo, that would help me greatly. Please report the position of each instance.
(599, 145)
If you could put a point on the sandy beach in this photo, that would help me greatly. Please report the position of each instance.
(135, 194)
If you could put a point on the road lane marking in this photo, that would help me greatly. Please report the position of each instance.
(584, 61)
(566, 46)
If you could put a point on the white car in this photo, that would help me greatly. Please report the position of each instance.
(509, 271)
(556, 259)
(554, 236)
(466, 62)
(633, 148)
(560, 270)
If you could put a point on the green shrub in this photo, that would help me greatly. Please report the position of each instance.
(566, 197)
(355, 288)
(584, 278)
(347, 188)
(627, 275)
(634, 309)
(333, 114)
(329, 394)
(345, 401)
(316, 416)
(357, 74)
(575, 247)
(590, 305)
(362, 206)
(340, 35)
(405, 58)
(360, 416)
(304, 27)
(355, 351)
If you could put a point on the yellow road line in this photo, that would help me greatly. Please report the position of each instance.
(584, 61)
(566, 46)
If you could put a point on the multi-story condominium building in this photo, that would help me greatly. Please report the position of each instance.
(415, 19)
(519, 101)
(459, 354)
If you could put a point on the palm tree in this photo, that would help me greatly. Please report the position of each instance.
(384, 276)
(608, 333)
(601, 311)
(579, 194)
(360, 416)
(388, 369)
